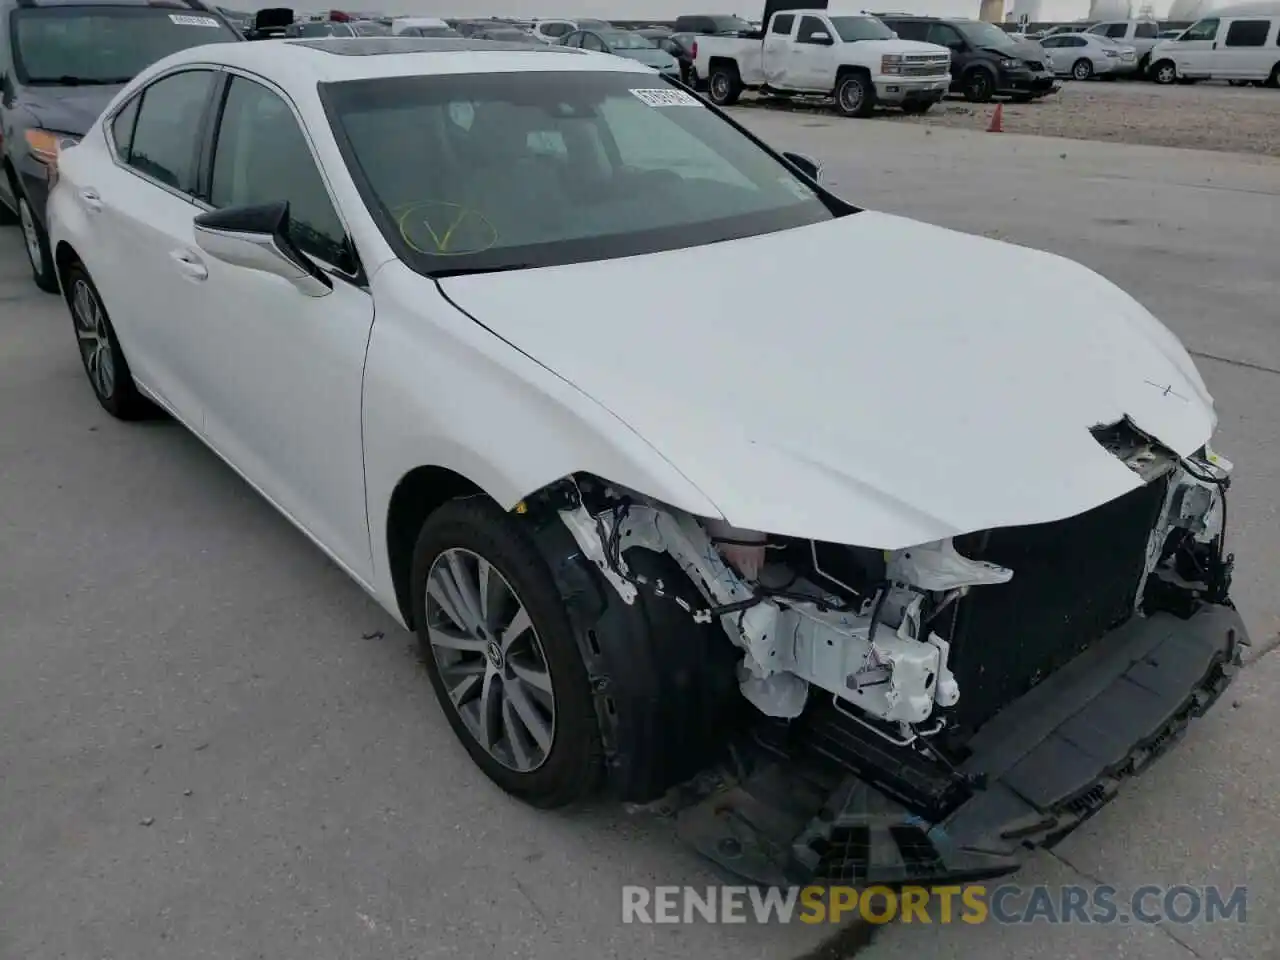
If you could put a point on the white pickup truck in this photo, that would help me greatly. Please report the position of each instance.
(852, 58)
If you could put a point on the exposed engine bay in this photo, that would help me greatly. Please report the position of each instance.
(923, 713)
(864, 626)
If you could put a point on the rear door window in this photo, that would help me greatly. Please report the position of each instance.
(1247, 33)
(167, 131)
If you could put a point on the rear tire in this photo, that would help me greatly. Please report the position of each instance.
(1164, 73)
(1273, 81)
(566, 764)
(724, 86)
(100, 353)
(855, 94)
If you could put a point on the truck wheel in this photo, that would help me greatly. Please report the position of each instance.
(855, 95)
(978, 86)
(1164, 73)
(724, 86)
(1274, 79)
(1082, 69)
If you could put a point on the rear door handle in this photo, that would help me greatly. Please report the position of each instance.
(92, 202)
(192, 267)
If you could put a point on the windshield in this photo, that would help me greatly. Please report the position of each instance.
(371, 28)
(101, 44)
(495, 171)
(623, 40)
(861, 28)
(984, 34)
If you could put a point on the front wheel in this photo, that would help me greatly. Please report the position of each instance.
(501, 655)
(978, 86)
(1273, 80)
(1082, 69)
(1164, 72)
(855, 95)
(724, 87)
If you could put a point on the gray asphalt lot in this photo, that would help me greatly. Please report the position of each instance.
(213, 745)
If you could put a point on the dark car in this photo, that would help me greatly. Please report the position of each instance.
(711, 23)
(985, 61)
(61, 62)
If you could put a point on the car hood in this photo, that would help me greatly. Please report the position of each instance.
(869, 380)
(68, 109)
(902, 46)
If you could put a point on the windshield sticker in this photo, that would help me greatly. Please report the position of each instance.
(667, 98)
(183, 20)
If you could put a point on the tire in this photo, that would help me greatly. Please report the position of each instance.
(723, 86)
(1082, 69)
(1164, 73)
(1273, 81)
(100, 353)
(549, 764)
(977, 86)
(36, 244)
(918, 108)
(855, 94)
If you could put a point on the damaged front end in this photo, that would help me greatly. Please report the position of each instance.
(831, 713)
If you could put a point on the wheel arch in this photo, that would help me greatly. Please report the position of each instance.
(64, 255)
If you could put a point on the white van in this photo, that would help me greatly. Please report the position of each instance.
(1233, 44)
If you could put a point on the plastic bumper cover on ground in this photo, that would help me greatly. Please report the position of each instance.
(1044, 765)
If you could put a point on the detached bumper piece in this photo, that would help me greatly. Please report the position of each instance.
(825, 801)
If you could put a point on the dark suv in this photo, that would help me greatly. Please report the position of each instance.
(61, 63)
(985, 61)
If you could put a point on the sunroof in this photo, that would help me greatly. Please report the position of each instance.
(375, 46)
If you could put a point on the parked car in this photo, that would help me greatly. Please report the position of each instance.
(1083, 56)
(319, 28)
(854, 59)
(1142, 35)
(422, 27)
(985, 61)
(501, 33)
(370, 28)
(683, 46)
(712, 24)
(1079, 27)
(555, 30)
(270, 23)
(625, 43)
(1226, 46)
(61, 63)
(608, 584)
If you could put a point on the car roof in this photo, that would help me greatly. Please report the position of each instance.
(335, 59)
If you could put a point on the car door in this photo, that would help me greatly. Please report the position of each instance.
(283, 404)
(1242, 54)
(140, 209)
(945, 35)
(777, 48)
(811, 63)
(1193, 52)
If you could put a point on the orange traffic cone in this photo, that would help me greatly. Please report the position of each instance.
(997, 120)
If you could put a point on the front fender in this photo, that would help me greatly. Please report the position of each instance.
(441, 390)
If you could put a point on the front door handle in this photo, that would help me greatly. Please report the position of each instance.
(191, 266)
(91, 200)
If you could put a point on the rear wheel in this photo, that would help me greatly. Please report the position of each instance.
(1164, 72)
(1082, 69)
(1274, 79)
(724, 86)
(855, 95)
(501, 654)
(100, 352)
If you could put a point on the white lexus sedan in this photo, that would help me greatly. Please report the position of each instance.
(809, 523)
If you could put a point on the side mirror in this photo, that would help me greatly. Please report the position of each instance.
(810, 167)
(820, 36)
(257, 238)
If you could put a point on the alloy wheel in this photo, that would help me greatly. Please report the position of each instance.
(93, 339)
(720, 86)
(490, 659)
(30, 234)
(851, 96)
